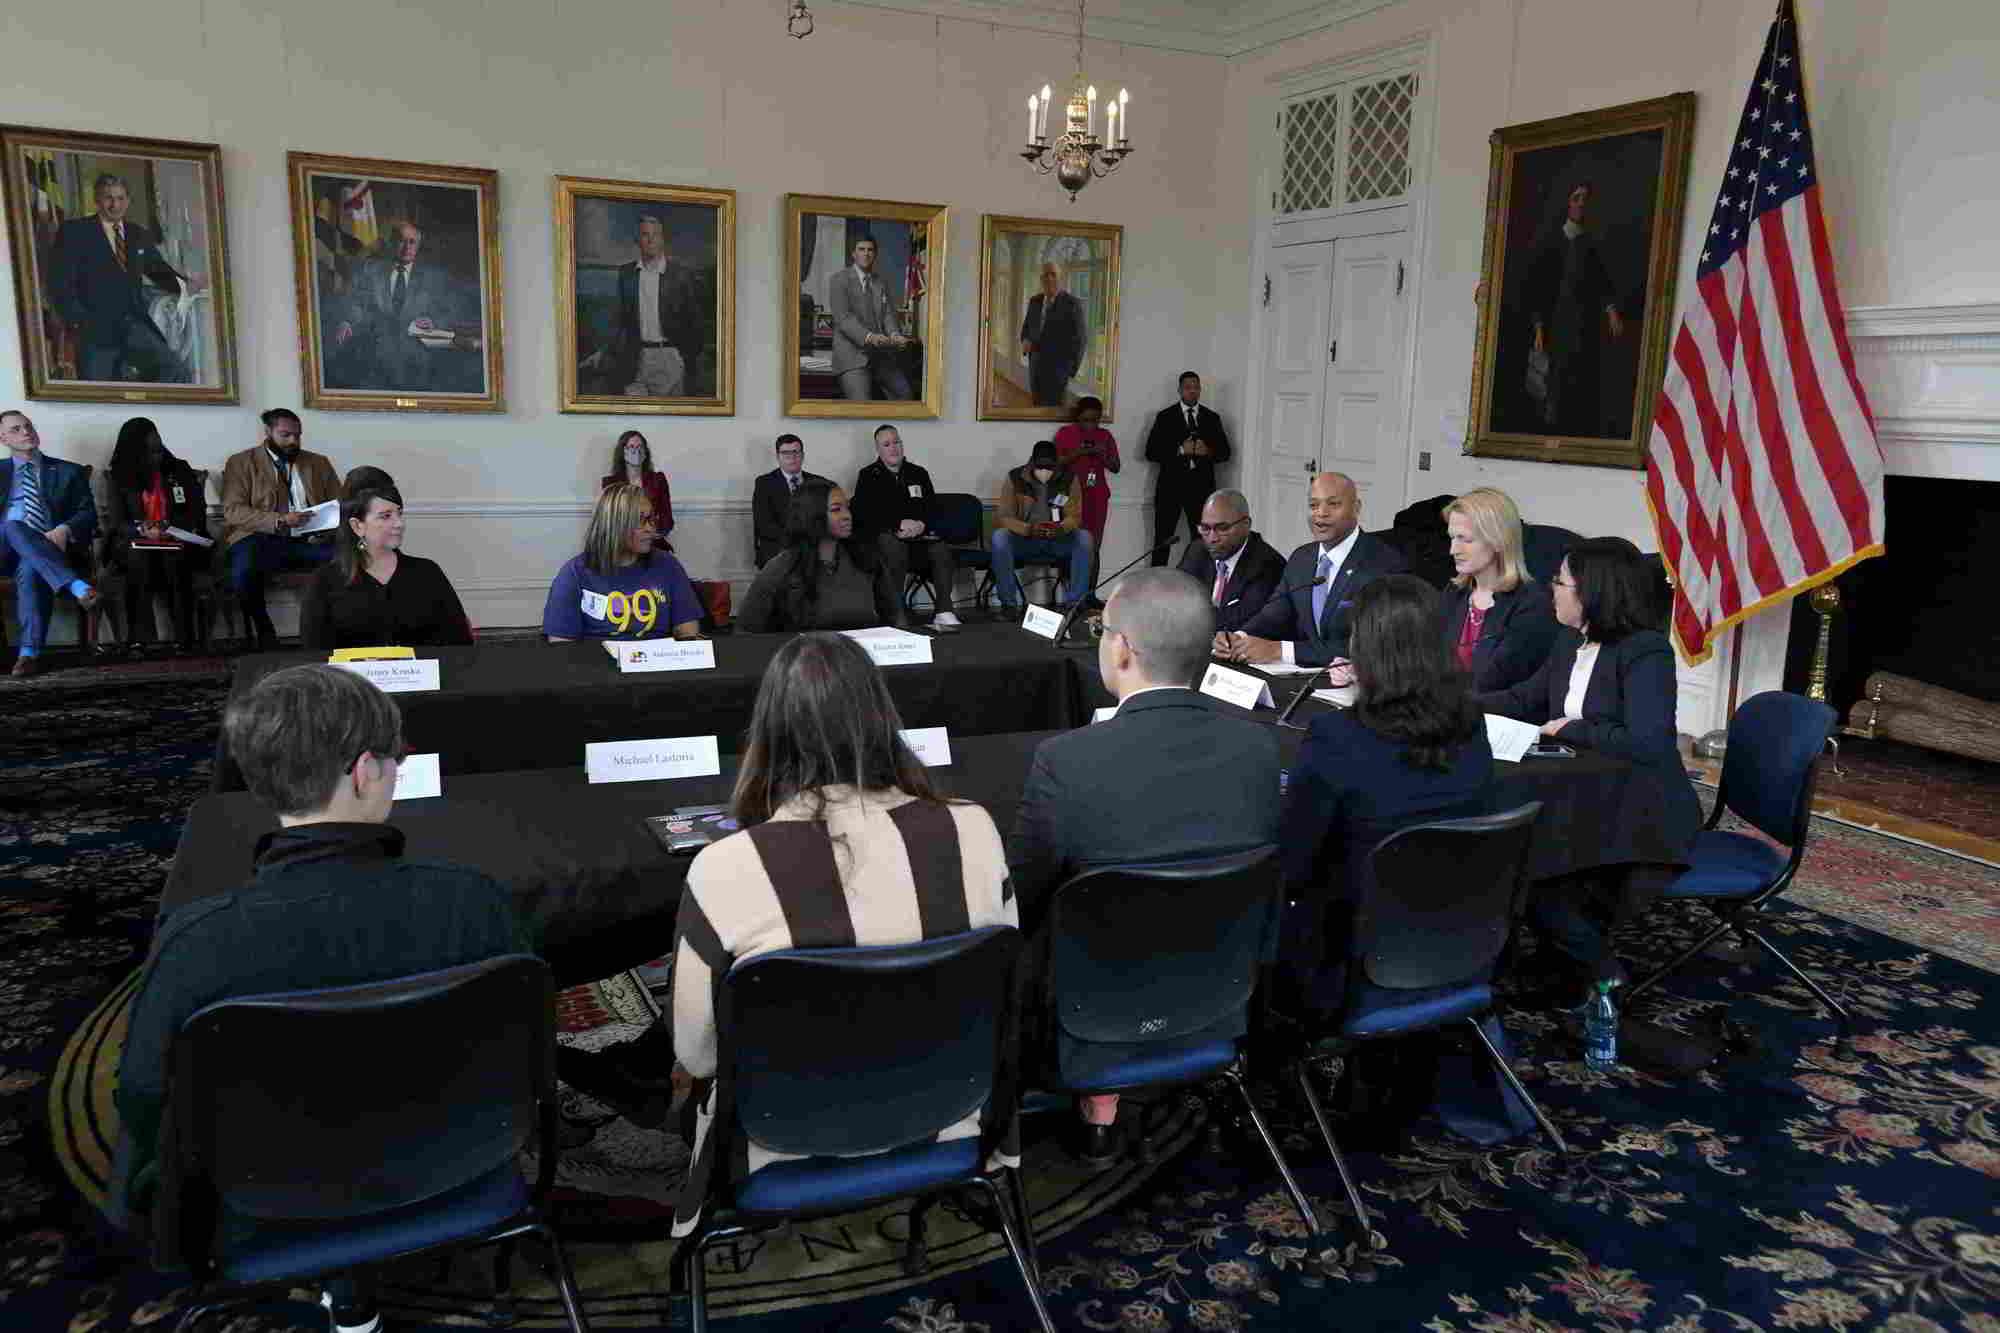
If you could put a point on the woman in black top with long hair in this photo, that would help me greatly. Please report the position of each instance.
(823, 578)
(150, 491)
(372, 594)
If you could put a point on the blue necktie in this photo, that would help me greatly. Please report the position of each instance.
(1319, 593)
(32, 512)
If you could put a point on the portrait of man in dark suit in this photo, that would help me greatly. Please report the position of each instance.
(1048, 311)
(105, 268)
(1052, 338)
(402, 316)
(664, 344)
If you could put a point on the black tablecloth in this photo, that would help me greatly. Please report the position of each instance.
(506, 707)
(601, 894)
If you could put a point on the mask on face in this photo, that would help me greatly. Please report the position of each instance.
(1044, 473)
(635, 456)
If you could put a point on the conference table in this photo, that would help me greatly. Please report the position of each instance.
(507, 707)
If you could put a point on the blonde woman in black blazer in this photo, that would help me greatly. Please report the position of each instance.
(1498, 622)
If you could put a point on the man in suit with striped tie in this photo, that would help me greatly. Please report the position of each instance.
(49, 514)
(868, 339)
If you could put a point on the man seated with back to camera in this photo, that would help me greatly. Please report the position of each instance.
(1172, 777)
(330, 902)
(1038, 515)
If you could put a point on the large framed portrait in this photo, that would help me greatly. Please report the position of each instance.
(861, 308)
(398, 267)
(1048, 317)
(121, 267)
(646, 297)
(1583, 229)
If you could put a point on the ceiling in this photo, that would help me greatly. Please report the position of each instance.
(1207, 27)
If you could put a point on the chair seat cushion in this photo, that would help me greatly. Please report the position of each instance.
(1728, 865)
(275, 1252)
(1375, 1011)
(1143, 1066)
(831, 1184)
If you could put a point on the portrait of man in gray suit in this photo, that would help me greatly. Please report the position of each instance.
(400, 323)
(868, 337)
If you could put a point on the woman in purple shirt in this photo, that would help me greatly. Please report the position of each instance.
(620, 587)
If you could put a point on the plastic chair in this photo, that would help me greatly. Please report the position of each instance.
(956, 518)
(1543, 546)
(281, 1118)
(1432, 916)
(1150, 976)
(915, 1037)
(1776, 741)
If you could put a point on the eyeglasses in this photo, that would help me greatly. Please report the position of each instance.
(1217, 529)
(1098, 629)
(1562, 583)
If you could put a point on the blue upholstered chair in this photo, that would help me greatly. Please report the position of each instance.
(295, 1152)
(1776, 741)
(1150, 975)
(855, 1060)
(1432, 916)
(957, 519)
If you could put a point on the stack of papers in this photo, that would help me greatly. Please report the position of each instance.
(1509, 739)
(320, 518)
(1340, 696)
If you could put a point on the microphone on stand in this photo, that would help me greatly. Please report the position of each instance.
(1285, 718)
(1076, 607)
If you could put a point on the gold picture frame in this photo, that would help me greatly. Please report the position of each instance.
(429, 340)
(1583, 231)
(159, 324)
(823, 358)
(1017, 377)
(602, 227)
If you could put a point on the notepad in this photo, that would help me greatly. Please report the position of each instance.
(382, 653)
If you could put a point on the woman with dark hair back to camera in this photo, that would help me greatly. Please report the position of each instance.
(823, 578)
(846, 844)
(372, 594)
(1608, 685)
(632, 465)
(151, 491)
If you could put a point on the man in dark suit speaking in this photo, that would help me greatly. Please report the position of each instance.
(103, 267)
(1238, 567)
(1307, 623)
(1052, 338)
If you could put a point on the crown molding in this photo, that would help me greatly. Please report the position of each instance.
(1225, 31)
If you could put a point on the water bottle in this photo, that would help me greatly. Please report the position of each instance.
(1600, 1030)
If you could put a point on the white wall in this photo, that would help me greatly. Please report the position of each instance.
(876, 103)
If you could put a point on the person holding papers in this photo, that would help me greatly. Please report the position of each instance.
(621, 587)
(1498, 620)
(152, 495)
(267, 491)
(824, 578)
(374, 595)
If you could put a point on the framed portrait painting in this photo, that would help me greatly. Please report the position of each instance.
(121, 267)
(1048, 317)
(646, 297)
(861, 308)
(398, 268)
(1583, 229)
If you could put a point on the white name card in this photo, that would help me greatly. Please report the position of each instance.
(397, 675)
(1508, 739)
(932, 745)
(1040, 620)
(892, 647)
(1235, 687)
(595, 605)
(1104, 713)
(662, 654)
(417, 777)
(652, 761)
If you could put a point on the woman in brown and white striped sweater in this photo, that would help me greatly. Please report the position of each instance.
(846, 844)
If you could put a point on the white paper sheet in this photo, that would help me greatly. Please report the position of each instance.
(1509, 739)
(417, 777)
(320, 518)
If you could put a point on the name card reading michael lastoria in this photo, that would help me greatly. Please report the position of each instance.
(1040, 620)
(652, 761)
(1236, 687)
(397, 677)
(931, 745)
(661, 654)
(892, 647)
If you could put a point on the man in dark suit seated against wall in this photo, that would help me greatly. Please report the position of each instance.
(104, 265)
(773, 496)
(47, 523)
(1306, 624)
(1238, 567)
(1172, 777)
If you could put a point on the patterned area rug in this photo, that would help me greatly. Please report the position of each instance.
(1795, 1187)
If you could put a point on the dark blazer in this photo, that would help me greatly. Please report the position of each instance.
(881, 499)
(686, 313)
(1514, 641)
(1172, 776)
(1289, 616)
(1628, 710)
(416, 608)
(66, 498)
(1163, 443)
(768, 507)
(1259, 572)
(94, 292)
(1058, 342)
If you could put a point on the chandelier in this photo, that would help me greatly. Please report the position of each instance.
(1078, 154)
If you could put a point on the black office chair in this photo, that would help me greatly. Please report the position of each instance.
(1150, 975)
(286, 1122)
(956, 518)
(915, 1038)
(1432, 915)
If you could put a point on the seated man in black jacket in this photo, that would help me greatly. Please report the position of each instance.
(1239, 568)
(892, 508)
(331, 902)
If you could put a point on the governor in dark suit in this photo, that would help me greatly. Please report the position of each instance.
(773, 496)
(103, 267)
(664, 346)
(1187, 441)
(1238, 567)
(390, 297)
(1306, 624)
(1052, 338)
(868, 339)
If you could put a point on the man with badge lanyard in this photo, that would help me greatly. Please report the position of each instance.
(891, 502)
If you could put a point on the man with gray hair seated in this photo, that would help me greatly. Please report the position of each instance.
(1239, 568)
(1174, 776)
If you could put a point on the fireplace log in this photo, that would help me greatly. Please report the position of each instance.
(1908, 710)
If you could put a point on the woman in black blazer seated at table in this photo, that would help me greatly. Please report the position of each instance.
(1497, 620)
(823, 578)
(151, 491)
(1412, 749)
(1608, 685)
(372, 594)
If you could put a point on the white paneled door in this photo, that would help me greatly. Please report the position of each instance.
(1295, 371)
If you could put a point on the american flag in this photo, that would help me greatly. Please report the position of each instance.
(1764, 476)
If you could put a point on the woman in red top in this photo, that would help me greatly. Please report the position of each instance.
(632, 465)
(150, 492)
(1091, 455)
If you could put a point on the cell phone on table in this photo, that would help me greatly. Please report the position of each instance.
(683, 835)
(1551, 750)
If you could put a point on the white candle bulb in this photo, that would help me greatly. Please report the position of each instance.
(1031, 117)
(1043, 131)
(1090, 110)
(1111, 123)
(1124, 116)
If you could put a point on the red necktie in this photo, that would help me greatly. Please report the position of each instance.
(1221, 580)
